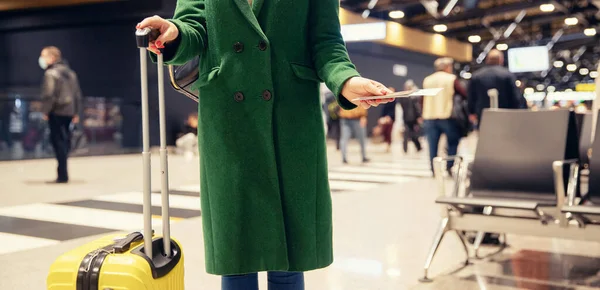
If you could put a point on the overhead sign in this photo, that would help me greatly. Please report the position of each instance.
(400, 70)
(364, 31)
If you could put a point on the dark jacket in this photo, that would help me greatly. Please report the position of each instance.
(493, 77)
(411, 109)
(61, 94)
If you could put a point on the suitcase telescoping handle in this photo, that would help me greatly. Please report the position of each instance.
(143, 38)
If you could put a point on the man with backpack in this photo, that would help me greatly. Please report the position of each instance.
(61, 102)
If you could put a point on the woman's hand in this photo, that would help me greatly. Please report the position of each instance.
(357, 87)
(168, 32)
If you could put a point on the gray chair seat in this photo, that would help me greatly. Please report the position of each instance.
(582, 209)
(521, 204)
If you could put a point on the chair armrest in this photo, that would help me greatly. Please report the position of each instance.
(559, 181)
(438, 169)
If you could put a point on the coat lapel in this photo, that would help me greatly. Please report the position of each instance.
(256, 6)
(247, 12)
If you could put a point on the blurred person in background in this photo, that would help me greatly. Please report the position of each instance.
(386, 121)
(333, 119)
(493, 76)
(187, 142)
(437, 110)
(6, 110)
(411, 115)
(61, 102)
(266, 201)
(353, 123)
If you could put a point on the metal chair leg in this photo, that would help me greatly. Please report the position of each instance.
(477, 243)
(462, 241)
(436, 243)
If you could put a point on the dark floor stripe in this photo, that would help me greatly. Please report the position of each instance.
(133, 208)
(48, 230)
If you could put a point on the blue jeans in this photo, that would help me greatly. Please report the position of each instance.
(277, 281)
(352, 127)
(434, 130)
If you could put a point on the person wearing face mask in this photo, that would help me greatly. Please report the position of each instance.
(61, 102)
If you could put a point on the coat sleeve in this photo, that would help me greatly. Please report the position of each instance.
(328, 50)
(190, 20)
(48, 93)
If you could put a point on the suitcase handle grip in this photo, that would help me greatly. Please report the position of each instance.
(144, 36)
(123, 245)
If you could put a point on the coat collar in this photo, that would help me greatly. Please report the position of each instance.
(250, 15)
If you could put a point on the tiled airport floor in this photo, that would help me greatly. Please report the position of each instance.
(384, 222)
(31, 224)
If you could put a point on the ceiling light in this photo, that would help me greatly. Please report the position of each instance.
(571, 67)
(593, 74)
(396, 14)
(589, 31)
(518, 83)
(551, 89)
(502, 46)
(440, 28)
(366, 13)
(571, 21)
(474, 39)
(467, 75)
(584, 71)
(529, 91)
(540, 87)
(558, 63)
(547, 7)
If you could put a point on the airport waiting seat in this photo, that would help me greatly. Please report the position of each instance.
(518, 172)
(587, 211)
(585, 138)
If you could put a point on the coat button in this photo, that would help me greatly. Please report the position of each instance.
(238, 97)
(266, 95)
(238, 47)
(262, 45)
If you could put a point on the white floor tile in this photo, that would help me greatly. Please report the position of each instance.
(368, 177)
(12, 243)
(175, 201)
(190, 188)
(78, 216)
(386, 171)
(408, 165)
(350, 185)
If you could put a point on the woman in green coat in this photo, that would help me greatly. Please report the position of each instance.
(265, 197)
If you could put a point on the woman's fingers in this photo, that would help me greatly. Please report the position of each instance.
(364, 104)
(374, 103)
(154, 21)
(384, 89)
(152, 47)
(168, 35)
(373, 89)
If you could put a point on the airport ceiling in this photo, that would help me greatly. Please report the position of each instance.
(11, 5)
(567, 26)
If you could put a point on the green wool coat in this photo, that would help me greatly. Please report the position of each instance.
(265, 196)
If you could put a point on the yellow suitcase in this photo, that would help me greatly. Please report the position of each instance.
(135, 261)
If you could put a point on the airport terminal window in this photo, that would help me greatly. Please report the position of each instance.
(24, 134)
